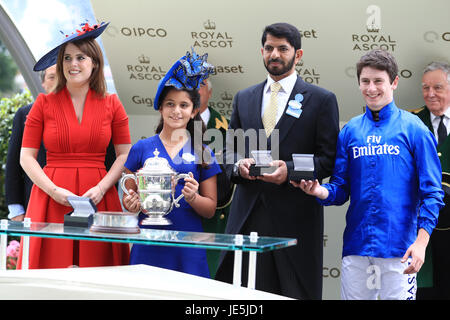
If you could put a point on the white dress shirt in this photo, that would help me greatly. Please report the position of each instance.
(287, 84)
(435, 122)
(205, 115)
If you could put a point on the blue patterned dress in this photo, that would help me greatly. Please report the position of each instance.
(184, 218)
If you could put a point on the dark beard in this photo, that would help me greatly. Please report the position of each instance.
(284, 69)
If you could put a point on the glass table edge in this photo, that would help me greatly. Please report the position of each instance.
(73, 233)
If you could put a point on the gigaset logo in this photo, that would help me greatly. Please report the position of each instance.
(147, 101)
(308, 34)
(228, 69)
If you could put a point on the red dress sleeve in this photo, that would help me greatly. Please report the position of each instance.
(120, 128)
(34, 125)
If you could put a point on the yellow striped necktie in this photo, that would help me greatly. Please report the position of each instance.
(270, 114)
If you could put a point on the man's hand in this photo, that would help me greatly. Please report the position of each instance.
(278, 176)
(417, 252)
(312, 188)
(244, 168)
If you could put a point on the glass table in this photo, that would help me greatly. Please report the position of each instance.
(252, 243)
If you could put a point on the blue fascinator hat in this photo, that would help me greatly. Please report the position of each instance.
(86, 31)
(187, 73)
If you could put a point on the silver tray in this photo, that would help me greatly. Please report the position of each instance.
(115, 222)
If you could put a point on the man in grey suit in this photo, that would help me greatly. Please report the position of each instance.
(297, 118)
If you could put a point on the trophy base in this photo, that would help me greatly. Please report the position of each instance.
(156, 221)
(115, 230)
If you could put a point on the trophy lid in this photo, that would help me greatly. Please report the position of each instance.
(156, 165)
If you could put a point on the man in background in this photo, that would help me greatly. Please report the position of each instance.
(214, 120)
(434, 277)
(17, 184)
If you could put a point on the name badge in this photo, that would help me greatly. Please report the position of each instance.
(188, 157)
(294, 108)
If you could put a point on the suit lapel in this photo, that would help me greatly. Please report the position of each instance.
(427, 119)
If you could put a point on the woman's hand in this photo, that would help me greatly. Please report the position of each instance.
(18, 218)
(60, 195)
(190, 188)
(131, 201)
(95, 193)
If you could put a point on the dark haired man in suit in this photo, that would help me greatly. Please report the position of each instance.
(17, 184)
(268, 204)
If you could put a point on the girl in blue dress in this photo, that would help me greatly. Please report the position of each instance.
(178, 101)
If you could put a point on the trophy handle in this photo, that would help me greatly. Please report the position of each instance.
(176, 178)
(124, 178)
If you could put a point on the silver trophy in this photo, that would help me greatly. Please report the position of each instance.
(156, 182)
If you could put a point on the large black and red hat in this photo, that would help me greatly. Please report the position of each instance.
(86, 31)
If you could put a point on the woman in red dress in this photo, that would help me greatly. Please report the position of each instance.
(76, 122)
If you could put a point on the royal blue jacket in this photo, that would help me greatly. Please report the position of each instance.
(391, 172)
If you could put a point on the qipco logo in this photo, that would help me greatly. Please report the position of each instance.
(433, 36)
(332, 272)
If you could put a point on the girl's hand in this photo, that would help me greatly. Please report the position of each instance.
(131, 201)
(190, 188)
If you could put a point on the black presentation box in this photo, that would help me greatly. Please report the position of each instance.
(82, 215)
(303, 167)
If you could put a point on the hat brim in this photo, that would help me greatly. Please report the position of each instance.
(163, 81)
(50, 58)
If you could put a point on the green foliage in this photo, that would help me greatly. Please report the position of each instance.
(8, 71)
(8, 108)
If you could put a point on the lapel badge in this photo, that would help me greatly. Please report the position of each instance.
(188, 157)
(295, 106)
(299, 97)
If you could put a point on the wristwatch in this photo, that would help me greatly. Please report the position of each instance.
(236, 172)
